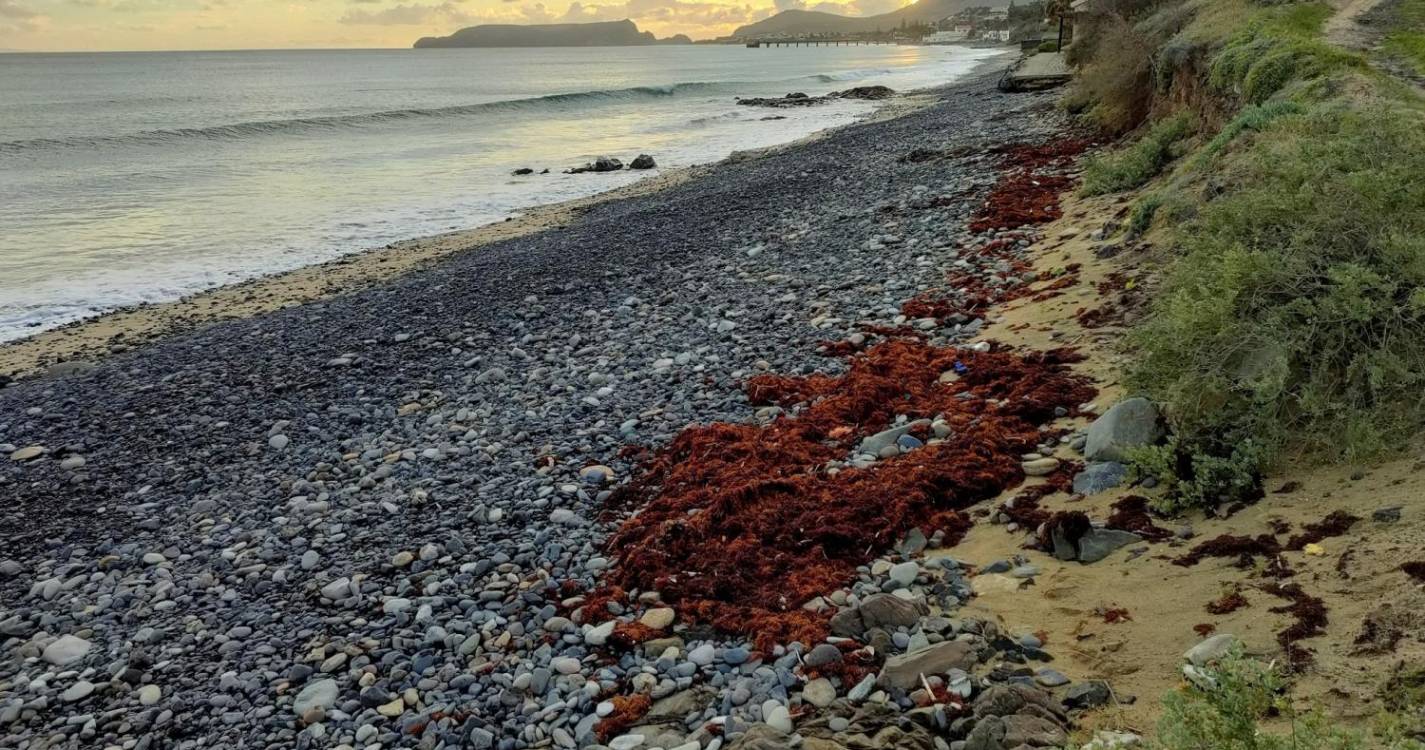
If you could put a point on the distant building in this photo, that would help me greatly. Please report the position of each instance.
(944, 37)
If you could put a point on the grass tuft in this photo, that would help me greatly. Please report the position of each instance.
(1406, 39)
(1136, 164)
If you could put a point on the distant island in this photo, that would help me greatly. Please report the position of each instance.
(602, 34)
(794, 23)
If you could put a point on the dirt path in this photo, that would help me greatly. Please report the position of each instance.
(1345, 28)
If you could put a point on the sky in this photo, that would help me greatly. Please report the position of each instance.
(74, 25)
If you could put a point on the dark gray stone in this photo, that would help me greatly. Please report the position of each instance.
(1130, 423)
(1099, 477)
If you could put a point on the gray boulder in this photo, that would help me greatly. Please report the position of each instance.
(878, 611)
(891, 611)
(1100, 543)
(642, 161)
(904, 670)
(1099, 477)
(1129, 424)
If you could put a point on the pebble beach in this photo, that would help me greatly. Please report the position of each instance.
(408, 515)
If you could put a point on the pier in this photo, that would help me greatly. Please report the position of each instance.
(756, 43)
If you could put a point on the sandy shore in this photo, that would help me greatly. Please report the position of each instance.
(121, 330)
(88, 340)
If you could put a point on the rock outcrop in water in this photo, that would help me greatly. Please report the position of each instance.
(603, 34)
(798, 99)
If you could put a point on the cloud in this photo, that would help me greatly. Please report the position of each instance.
(13, 10)
(663, 17)
(665, 13)
(873, 7)
(857, 7)
(782, 5)
(413, 14)
(19, 19)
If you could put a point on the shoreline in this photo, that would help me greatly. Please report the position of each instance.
(397, 501)
(78, 344)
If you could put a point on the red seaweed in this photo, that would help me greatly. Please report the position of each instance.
(1029, 192)
(742, 524)
(1227, 603)
(628, 711)
(1244, 548)
(1131, 514)
(1336, 523)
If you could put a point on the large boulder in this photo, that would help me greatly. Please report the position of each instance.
(642, 161)
(904, 670)
(1131, 423)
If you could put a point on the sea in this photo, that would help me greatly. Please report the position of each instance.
(130, 178)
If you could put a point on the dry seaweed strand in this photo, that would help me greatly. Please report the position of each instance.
(1227, 603)
(1336, 523)
(742, 524)
(1244, 548)
(1131, 514)
(1310, 621)
(1116, 615)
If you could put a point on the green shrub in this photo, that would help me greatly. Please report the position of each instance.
(1140, 218)
(1134, 165)
(1226, 714)
(1295, 316)
(1049, 45)
(1253, 118)
(1201, 474)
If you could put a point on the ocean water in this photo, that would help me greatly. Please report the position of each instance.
(143, 177)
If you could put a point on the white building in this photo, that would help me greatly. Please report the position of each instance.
(945, 37)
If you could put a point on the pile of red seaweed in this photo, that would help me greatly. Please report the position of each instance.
(742, 524)
(1028, 193)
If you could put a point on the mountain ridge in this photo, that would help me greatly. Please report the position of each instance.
(623, 33)
(795, 22)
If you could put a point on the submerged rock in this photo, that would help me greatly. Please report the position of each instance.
(870, 93)
(601, 164)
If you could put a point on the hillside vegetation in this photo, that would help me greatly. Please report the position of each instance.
(1284, 174)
